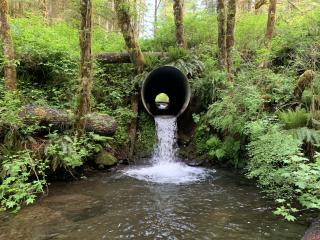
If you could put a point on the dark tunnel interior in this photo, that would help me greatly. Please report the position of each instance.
(168, 80)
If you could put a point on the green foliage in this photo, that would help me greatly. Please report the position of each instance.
(308, 135)
(277, 163)
(22, 179)
(295, 45)
(235, 109)
(124, 116)
(10, 106)
(113, 86)
(176, 53)
(71, 151)
(190, 67)
(249, 34)
(146, 135)
(198, 30)
(226, 150)
(293, 119)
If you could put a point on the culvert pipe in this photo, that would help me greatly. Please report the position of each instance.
(170, 81)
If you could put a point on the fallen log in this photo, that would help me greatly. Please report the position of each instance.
(102, 124)
(109, 57)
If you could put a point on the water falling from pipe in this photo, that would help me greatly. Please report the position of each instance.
(165, 165)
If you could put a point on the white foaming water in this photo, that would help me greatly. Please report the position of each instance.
(165, 166)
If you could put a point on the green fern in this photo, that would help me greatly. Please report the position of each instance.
(293, 119)
(190, 68)
(308, 135)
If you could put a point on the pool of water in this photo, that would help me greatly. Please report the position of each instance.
(115, 206)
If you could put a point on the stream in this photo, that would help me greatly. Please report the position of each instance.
(164, 199)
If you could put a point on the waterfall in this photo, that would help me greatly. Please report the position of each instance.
(165, 166)
(165, 151)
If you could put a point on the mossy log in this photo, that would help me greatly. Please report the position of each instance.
(313, 233)
(102, 124)
(109, 57)
(304, 81)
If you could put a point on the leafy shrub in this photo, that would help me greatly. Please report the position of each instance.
(10, 106)
(234, 110)
(227, 150)
(71, 151)
(22, 179)
(277, 163)
(123, 116)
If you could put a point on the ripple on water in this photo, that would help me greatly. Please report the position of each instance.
(172, 172)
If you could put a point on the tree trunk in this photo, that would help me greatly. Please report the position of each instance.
(122, 8)
(221, 17)
(45, 12)
(206, 4)
(271, 22)
(20, 8)
(85, 69)
(10, 73)
(249, 5)
(129, 35)
(50, 11)
(230, 35)
(304, 81)
(178, 20)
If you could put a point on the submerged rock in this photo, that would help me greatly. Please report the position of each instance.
(106, 159)
(313, 233)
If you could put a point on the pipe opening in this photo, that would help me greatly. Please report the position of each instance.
(165, 91)
(162, 101)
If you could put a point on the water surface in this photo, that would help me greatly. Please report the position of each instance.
(163, 200)
(115, 206)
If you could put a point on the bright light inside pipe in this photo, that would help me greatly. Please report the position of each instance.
(162, 101)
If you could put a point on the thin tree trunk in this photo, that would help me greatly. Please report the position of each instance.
(271, 22)
(85, 69)
(124, 20)
(129, 35)
(178, 12)
(10, 73)
(206, 4)
(50, 11)
(249, 5)
(230, 35)
(221, 18)
(45, 12)
(212, 6)
(21, 8)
